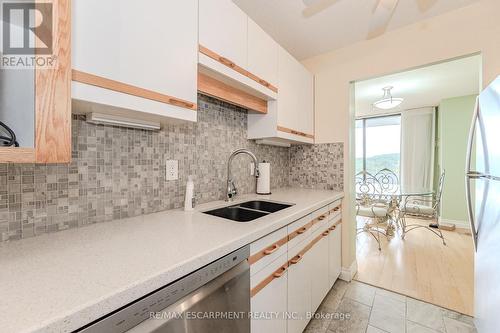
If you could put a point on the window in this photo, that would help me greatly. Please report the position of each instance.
(378, 144)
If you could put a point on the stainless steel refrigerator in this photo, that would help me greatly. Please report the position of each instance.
(483, 198)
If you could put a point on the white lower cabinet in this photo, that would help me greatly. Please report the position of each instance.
(299, 288)
(269, 304)
(334, 249)
(286, 289)
(319, 268)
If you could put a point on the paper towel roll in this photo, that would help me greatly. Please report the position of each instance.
(264, 180)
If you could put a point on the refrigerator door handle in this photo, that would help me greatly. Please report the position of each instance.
(469, 174)
(470, 140)
(470, 212)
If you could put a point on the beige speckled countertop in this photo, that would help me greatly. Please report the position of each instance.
(59, 282)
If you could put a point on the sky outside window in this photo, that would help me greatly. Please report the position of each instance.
(383, 144)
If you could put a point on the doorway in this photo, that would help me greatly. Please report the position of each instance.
(421, 143)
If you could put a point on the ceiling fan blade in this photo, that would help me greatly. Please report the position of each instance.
(425, 5)
(310, 2)
(316, 6)
(381, 17)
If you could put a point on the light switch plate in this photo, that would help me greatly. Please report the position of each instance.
(172, 170)
(252, 168)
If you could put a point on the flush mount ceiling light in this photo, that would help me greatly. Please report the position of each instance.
(388, 102)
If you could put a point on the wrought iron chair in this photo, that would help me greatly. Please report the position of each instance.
(388, 180)
(427, 207)
(372, 204)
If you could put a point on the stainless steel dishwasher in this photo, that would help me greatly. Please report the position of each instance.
(215, 298)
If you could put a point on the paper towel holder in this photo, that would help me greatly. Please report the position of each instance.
(264, 180)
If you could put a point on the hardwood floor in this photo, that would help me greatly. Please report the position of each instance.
(421, 267)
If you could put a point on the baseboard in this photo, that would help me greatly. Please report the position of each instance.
(457, 223)
(347, 274)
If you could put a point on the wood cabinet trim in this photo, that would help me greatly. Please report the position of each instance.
(336, 209)
(335, 225)
(274, 275)
(299, 232)
(53, 94)
(128, 89)
(322, 217)
(216, 88)
(294, 132)
(228, 63)
(278, 273)
(17, 155)
(262, 253)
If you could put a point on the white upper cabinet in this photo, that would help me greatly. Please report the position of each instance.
(288, 99)
(235, 50)
(137, 55)
(305, 112)
(223, 30)
(291, 117)
(262, 54)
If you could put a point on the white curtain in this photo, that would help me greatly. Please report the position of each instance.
(417, 149)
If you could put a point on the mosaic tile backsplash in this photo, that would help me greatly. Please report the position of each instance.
(118, 172)
(317, 166)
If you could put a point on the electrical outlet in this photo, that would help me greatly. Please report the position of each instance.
(252, 168)
(172, 170)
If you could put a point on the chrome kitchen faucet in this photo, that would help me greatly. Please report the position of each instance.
(231, 188)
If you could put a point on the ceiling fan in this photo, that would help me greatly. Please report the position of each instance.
(382, 12)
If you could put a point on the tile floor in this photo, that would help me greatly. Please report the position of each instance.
(375, 310)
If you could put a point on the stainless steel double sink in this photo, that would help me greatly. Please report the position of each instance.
(248, 211)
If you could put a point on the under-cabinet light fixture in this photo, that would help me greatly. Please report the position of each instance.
(268, 142)
(105, 119)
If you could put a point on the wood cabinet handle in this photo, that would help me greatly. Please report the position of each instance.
(336, 209)
(298, 133)
(326, 233)
(264, 83)
(271, 250)
(296, 259)
(279, 273)
(301, 230)
(322, 217)
(227, 62)
(332, 228)
(180, 103)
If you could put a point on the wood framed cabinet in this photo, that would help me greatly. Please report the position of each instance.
(36, 102)
(292, 270)
(136, 58)
(290, 118)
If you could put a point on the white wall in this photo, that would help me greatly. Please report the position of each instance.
(469, 30)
